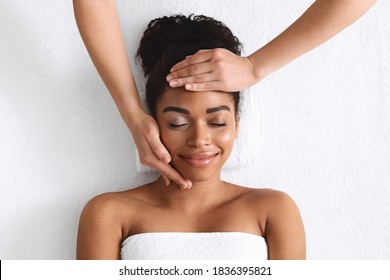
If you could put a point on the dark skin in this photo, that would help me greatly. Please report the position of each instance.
(211, 205)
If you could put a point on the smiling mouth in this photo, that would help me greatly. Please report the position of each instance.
(199, 160)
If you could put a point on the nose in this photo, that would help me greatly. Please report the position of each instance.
(199, 135)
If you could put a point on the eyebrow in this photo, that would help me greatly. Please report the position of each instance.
(185, 111)
(216, 109)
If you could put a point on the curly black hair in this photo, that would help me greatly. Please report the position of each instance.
(168, 40)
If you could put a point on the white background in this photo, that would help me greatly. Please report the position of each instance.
(325, 121)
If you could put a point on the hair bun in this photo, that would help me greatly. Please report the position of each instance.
(184, 35)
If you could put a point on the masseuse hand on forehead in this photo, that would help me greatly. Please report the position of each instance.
(216, 69)
(219, 69)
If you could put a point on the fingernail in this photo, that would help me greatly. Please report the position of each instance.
(169, 77)
(166, 158)
(173, 83)
(188, 86)
(173, 69)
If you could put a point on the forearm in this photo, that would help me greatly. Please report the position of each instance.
(100, 30)
(321, 21)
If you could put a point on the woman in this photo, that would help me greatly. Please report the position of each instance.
(213, 219)
(99, 27)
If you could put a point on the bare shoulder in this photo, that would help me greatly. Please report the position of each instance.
(99, 229)
(118, 208)
(269, 199)
(103, 205)
(274, 199)
(103, 212)
(281, 222)
(115, 203)
(273, 204)
(103, 222)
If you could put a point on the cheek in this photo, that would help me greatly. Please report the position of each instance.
(225, 139)
(170, 139)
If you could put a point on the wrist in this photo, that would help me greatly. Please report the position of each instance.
(259, 69)
(254, 73)
(134, 118)
(131, 110)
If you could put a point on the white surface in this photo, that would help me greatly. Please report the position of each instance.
(325, 126)
(194, 246)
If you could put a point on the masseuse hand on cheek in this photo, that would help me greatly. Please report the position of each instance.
(152, 152)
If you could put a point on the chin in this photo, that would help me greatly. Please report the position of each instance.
(195, 174)
(198, 175)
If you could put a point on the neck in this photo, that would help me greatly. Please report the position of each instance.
(200, 196)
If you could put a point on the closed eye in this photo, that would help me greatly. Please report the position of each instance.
(218, 124)
(173, 125)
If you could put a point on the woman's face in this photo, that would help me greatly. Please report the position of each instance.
(198, 129)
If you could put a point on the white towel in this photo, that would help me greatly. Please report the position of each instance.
(194, 246)
(247, 146)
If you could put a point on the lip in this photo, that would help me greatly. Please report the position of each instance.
(199, 159)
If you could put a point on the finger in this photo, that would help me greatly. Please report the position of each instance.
(206, 86)
(158, 148)
(168, 171)
(199, 57)
(167, 180)
(190, 71)
(163, 168)
(170, 174)
(200, 78)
